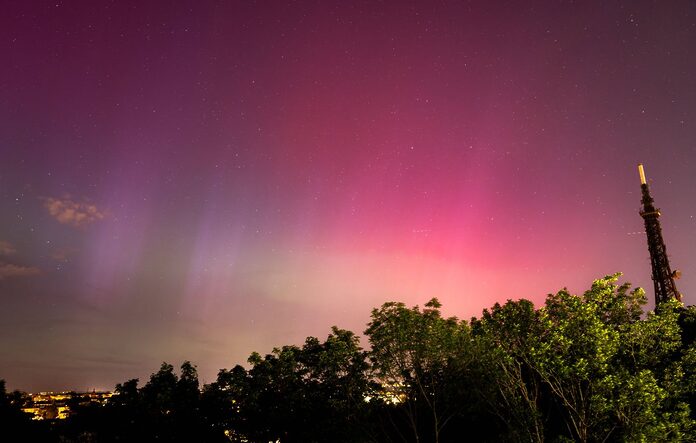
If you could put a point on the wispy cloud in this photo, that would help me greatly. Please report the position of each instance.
(6, 248)
(8, 270)
(73, 213)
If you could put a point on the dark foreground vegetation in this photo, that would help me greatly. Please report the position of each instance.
(589, 368)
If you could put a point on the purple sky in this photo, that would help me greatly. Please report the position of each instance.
(200, 180)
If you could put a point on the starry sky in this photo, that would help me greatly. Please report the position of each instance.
(203, 179)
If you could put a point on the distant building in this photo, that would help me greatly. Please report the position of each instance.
(54, 405)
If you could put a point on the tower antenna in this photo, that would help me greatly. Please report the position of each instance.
(662, 275)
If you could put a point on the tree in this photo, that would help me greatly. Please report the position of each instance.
(159, 392)
(166, 408)
(587, 361)
(507, 383)
(187, 395)
(295, 394)
(652, 397)
(419, 357)
(573, 357)
(126, 394)
(221, 400)
(15, 425)
(606, 368)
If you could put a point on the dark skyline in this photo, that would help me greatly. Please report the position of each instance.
(200, 180)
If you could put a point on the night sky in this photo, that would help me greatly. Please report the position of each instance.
(200, 180)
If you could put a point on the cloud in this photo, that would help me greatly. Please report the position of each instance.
(70, 212)
(8, 270)
(6, 248)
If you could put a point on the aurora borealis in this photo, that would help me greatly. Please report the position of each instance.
(200, 180)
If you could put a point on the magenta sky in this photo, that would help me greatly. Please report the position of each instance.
(200, 180)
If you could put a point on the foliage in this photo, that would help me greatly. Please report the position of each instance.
(508, 385)
(297, 394)
(592, 368)
(418, 358)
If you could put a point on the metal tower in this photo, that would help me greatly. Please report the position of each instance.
(662, 275)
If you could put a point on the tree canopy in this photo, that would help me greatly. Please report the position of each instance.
(593, 367)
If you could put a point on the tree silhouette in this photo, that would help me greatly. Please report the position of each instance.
(591, 367)
(420, 360)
